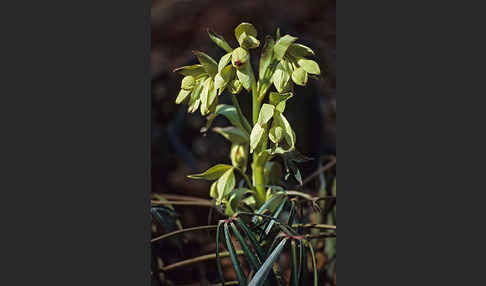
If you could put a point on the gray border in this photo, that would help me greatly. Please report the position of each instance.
(76, 143)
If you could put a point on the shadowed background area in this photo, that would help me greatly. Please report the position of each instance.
(178, 147)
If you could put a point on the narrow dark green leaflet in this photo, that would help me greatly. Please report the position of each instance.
(218, 259)
(208, 63)
(266, 57)
(212, 173)
(282, 45)
(303, 265)
(250, 257)
(234, 258)
(275, 216)
(194, 70)
(301, 259)
(226, 183)
(253, 240)
(262, 274)
(294, 272)
(314, 265)
(219, 41)
(258, 249)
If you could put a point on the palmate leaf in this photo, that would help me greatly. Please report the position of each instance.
(240, 275)
(262, 274)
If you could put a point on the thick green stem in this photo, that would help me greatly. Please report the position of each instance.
(258, 178)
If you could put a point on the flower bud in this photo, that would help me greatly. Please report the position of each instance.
(235, 86)
(239, 156)
(239, 57)
(188, 83)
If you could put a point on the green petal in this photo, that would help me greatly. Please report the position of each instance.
(309, 66)
(299, 76)
(282, 45)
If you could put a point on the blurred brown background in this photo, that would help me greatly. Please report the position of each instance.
(178, 148)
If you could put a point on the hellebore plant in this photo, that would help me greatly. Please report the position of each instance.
(257, 202)
(283, 63)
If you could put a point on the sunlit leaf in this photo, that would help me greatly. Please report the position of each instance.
(182, 96)
(194, 70)
(219, 41)
(300, 51)
(267, 56)
(239, 156)
(256, 136)
(226, 183)
(208, 63)
(224, 61)
(212, 173)
(309, 66)
(299, 76)
(213, 191)
(244, 75)
(233, 134)
(266, 113)
(282, 45)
